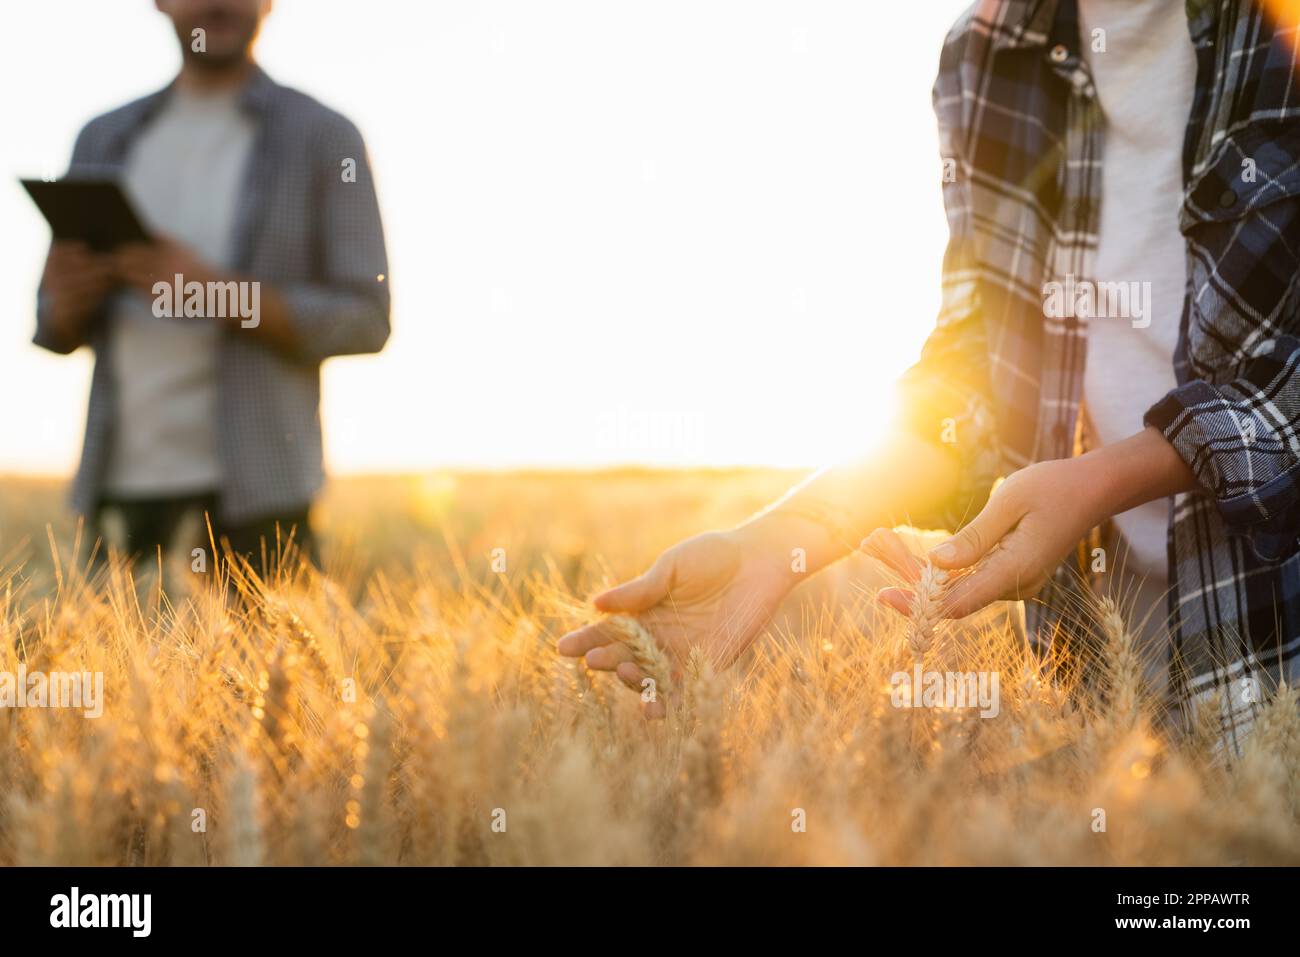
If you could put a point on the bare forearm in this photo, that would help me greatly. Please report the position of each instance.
(828, 515)
(1137, 470)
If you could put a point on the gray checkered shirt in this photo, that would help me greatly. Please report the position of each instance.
(300, 228)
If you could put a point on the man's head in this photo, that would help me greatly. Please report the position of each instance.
(215, 34)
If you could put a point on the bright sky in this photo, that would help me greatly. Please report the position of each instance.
(620, 231)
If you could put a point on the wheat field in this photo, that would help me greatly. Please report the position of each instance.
(406, 706)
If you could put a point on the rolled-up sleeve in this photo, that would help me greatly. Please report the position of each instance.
(1241, 440)
(344, 309)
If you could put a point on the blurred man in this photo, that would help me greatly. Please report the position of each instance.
(262, 195)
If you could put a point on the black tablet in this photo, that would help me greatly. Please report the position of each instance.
(95, 211)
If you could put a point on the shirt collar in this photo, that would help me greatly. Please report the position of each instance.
(259, 92)
(1024, 23)
(256, 98)
(1030, 23)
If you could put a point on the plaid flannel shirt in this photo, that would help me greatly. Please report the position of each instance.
(1019, 117)
(301, 228)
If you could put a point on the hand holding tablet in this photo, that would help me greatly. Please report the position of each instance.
(92, 211)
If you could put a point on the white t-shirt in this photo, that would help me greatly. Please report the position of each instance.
(183, 174)
(1144, 79)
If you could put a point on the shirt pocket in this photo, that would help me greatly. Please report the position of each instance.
(1241, 219)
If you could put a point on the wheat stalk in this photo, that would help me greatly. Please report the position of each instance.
(483, 715)
(647, 654)
(1123, 670)
(244, 846)
(702, 721)
(1206, 738)
(926, 609)
(375, 764)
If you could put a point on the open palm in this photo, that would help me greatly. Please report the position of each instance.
(710, 591)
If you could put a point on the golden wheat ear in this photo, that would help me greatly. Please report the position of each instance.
(647, 654)
(927, 609)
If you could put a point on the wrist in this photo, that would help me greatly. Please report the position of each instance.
(793, 544)
(1132, 472)
(1098, 484)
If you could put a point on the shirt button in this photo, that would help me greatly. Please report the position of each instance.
(1059, 53)
(1228, 199)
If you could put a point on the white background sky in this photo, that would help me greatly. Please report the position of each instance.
(660, 231)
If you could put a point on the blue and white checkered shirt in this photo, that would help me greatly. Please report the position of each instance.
(1019, 118)
(302, 229)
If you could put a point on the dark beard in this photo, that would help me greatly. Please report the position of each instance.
(211, 61)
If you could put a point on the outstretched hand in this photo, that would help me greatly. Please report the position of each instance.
(1012, 547)
(714, 591)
